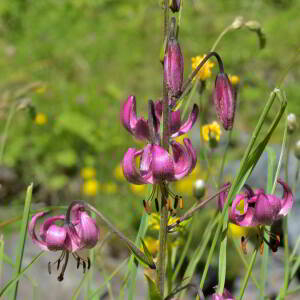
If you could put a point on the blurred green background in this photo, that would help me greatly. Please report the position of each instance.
(73, 62)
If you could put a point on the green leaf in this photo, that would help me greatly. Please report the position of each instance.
(153, 290)
(23, 235)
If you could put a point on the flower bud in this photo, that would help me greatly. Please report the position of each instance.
(291, 123)
(199, 188)
(225, 101)
(237, 23)
(173, 67)
(297, 149)
(175, 5)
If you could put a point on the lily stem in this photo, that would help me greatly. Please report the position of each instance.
(165, 143)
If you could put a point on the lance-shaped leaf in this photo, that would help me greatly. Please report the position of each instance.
(153, 290)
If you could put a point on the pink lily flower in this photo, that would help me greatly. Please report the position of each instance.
(81, 233)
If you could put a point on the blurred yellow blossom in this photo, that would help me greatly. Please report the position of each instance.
(154, 221)
(91, 187)
(41, 89)
(138, 189)
(185, 185)
(205, 71)
(212, 130)
(234, 79)
(235, 231)
(109, 187)
(152, 245)
(180, 138)
(119, 172)
(41, 119)
(88, 172)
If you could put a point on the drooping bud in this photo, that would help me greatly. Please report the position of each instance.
(291, 123)
(225, 100)
(174, 5)
(173, 66)
(199, 188)
(297, 149)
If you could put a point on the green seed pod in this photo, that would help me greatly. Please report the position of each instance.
(199, 188)
(297, 149)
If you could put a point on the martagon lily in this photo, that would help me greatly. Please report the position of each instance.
(256, 209)
(156, 164)
(78, 231)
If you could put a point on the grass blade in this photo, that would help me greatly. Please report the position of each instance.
(107, 279)
(23, 235)
(1, 254)
(20, 274)
(132, 265)
(247, 276)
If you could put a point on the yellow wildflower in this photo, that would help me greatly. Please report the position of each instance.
(205, 71)
(235, 231)
(152, 245)
(234, 79)
(41, 89)
(88, 172)
(154, 221)
(119, 172)
(212, 130)
(109, 188)
(90, 187)
(138, 189)
(180, 138)
(41, 119)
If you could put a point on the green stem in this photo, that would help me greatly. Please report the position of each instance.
(296, 176)
(6, 128)
(227, 29)
(160, 278)
(224, 158)
(191, 94)
(245, 263)
(247, 276)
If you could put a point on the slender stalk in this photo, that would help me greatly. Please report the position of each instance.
(194, 209)
(246, 279)
(224, 159)
(160, 278)
(296, 176)
(6, 128)
(201, 64)
(245, 263)
(227, 29)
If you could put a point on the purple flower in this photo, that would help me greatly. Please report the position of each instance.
(156, 164)
(225, 296)
(225, 100)
(173, 67)
(82, 232)
(258, 208)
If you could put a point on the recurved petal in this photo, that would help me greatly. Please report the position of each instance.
(174, 121)
(162, 165)
(287, 199)
(32, 233)
(241, 214)
(87, 230)
(267, 208)
(128, 114)
(185, 127)
(56, 238)
(145, 163)
(223, 196)
(129, 167)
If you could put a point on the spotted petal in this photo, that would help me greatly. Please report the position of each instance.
(129, 167)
